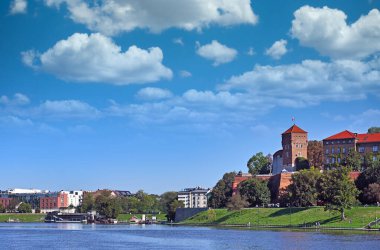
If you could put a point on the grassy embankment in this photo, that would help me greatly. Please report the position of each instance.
(22, 217)
(357, 217)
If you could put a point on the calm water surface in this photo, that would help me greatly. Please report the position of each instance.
(78, 236)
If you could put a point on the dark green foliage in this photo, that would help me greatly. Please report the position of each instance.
(237, 202)
(24, 208)
(255, 191)
(371, 194)
(370, 175)
(173, 208)
(315, 153)
(222, 191)
(337, 190)
(107, 205)
(303, 190)
(373, 130)
(302, 163)
(259, 164)
(2, 209)
(88, 203)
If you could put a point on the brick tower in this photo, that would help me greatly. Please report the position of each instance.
(294, 144)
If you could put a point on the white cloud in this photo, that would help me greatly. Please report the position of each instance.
(178, 41)
(95, 58)
(327, 31)
(150, 93)
(185, 73)
(112, 17)
(309, 82)
(66, 109)
(18, 7)
(217, 52)
(277, 50)
(17, 100)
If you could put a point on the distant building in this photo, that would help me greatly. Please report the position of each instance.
(294, 144)
(337, 146)
(54, 202)
(31, 196)
(5, 202)
(194, 197)
(74, 198)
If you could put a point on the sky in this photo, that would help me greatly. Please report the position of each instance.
(162, 95)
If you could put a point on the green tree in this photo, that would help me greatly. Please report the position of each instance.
(173, 208)
(370, 175)
(88, 203)
(2, 209)
(315, 153)
(373, 130)
(107, 205)
(166, 199)
(24, 208)
(303, 190)
(337, 190)
(302, 163)
(256, 191)
(352, 160)
(237, 202)
(147, 203)
(222, 191)
(259, 164)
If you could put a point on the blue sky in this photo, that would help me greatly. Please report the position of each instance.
(162, 95)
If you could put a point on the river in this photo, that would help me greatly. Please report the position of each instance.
(78, 236)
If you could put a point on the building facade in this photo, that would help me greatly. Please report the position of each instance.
(194, 197)
(337, 146)
(54, 202)
(74, 197)
(294, 144)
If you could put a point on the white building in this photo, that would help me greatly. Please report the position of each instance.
(26, 191)
(194, 197)
(74, 198)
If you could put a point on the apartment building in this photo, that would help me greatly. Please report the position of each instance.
(194, 197)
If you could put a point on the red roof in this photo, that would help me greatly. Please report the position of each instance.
(342, 135)
(367, 138)
(294, 129)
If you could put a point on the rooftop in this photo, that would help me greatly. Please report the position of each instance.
(294, 129)
(361, 138)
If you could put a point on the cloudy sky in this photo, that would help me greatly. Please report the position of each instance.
(165, 94)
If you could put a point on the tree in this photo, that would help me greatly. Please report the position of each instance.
(107, 205)
(256, 191)
(302, 163)
(166, 199)
(337, 190)
(303, 189)
(173, 208)
(2, 209)
(24, 208)
(373, 130)
(259, 164)
(372, 193)
(315, 153)
(88, 203)
(370, 175)
(237, 202)
(222, 191)
(352, 160)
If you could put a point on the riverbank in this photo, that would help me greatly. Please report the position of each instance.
(356, 218)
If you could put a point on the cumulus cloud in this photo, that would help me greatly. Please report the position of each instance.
(251, 51)
(277, 50)
(217, 52)
(95, 58)
(18, 7)
(17, 100)
(327, 31)
(113, 17)
(178, 41)
(66, 109)
(150, 93)
(309, 82)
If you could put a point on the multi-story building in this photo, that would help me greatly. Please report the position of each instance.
(31, 196)
(194, 197)
(294, 144)
(74, 197)
(337, 146)
(54, 202)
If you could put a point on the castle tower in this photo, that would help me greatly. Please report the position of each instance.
(294, 144)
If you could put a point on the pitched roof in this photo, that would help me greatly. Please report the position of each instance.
(342, 135)
(367, 138)
(294, 129)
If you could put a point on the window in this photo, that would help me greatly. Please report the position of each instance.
(327, 143)
(332, 150)
(374, 158)
(338, 150)
(332, 160)
(361, 149)
(327, 161)
(338, 160)
(375, 148)
(344, 150)
(327, 150)
(332, 142)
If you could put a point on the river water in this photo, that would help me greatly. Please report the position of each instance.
(78, 236)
